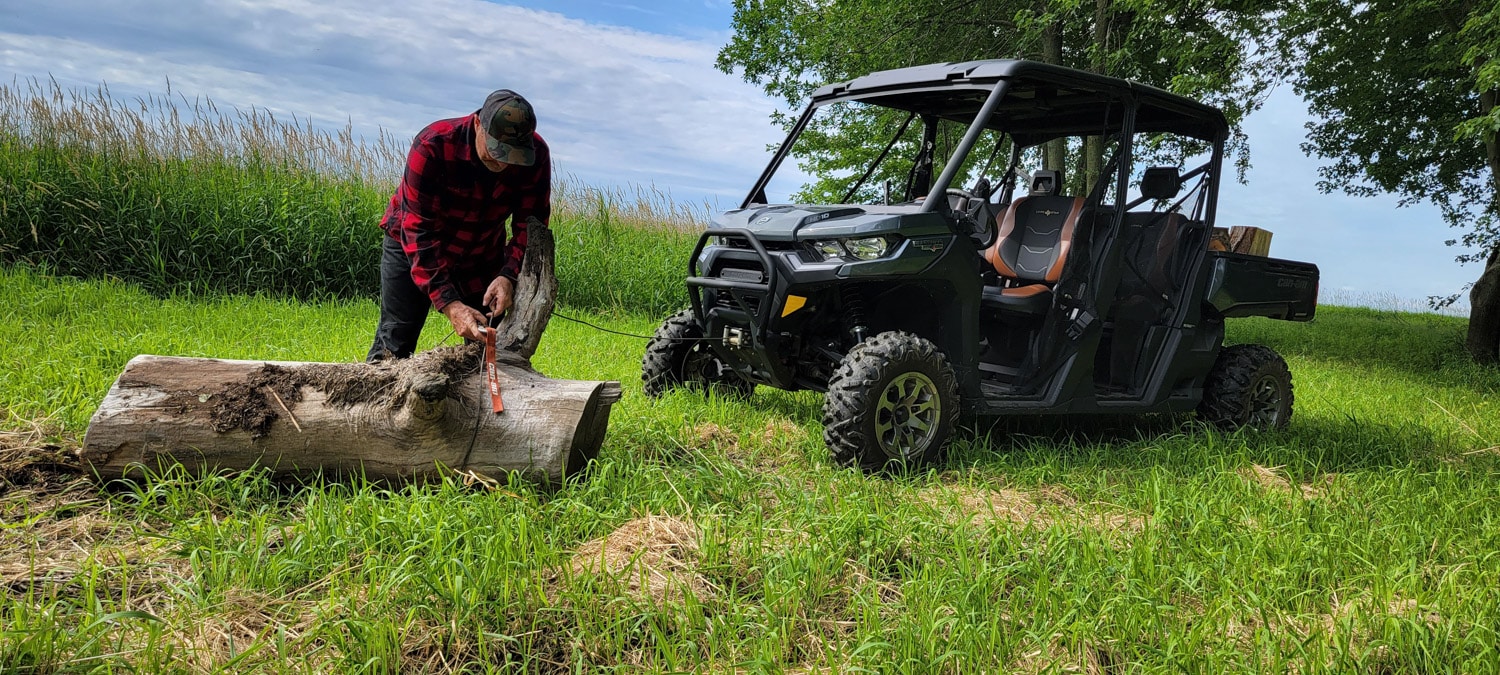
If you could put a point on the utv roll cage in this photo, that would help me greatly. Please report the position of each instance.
(1031, 102)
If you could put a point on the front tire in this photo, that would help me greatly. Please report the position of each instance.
(1249, 386)
(891, 403)
(678, 356)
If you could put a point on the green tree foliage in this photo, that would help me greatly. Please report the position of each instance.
(1397, 87)
(1406, 92)
(1199, 48)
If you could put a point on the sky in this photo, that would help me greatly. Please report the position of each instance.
(626, 93)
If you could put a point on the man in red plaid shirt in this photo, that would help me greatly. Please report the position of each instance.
(446, 245)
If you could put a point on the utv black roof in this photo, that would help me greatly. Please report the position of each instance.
(1042, 101)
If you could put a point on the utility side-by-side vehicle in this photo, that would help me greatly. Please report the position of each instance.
(1038, 295)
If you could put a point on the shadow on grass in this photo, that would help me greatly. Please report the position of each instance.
(1181, 444)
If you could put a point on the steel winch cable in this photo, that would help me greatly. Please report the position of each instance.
(565, 317)
(642, 337)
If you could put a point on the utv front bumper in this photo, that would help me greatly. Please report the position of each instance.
(738, 293)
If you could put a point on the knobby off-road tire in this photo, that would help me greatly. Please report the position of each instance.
(678, 357)
(1249, 386)
(892, 404)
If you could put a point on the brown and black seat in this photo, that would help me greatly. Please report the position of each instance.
(1028, 255)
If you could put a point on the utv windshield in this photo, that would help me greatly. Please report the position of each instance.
(871, 142)
(852, 152)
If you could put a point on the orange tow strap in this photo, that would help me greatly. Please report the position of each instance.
(492, 371)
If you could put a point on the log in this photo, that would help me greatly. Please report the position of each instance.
(396, 421)
(1250, 240)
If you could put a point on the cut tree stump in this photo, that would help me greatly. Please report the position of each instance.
(396, 421)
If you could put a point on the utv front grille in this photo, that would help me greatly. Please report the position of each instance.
(737, 274)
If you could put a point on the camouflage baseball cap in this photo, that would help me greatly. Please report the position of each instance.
(509, 121)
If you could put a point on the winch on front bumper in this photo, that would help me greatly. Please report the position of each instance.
(738, 292)
(749, 294)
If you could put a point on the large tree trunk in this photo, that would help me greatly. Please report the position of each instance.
(1484, 299)
(1484, 312)
(1093, 146)
(1055, 152)
(396, 421)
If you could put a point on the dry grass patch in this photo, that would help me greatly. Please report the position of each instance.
(772, 447)
(782, 433)
(651, 557)
(710, 436)
(1057, 657)
(49, 552)
(779, 440)
(250, 629)
(1360, 617)
(244, 621)
(56, 525)
(1270, 479)
(36, 456)
(1040, 508)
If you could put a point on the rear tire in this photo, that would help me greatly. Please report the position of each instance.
(892, 403)
(1249, 386)
(678, 357)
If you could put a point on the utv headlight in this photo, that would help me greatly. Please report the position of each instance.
(830, 249)
(868, 248)
(864, 248)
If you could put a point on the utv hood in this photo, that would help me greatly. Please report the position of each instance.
(793, 222)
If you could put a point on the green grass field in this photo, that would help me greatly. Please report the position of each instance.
(712, 535)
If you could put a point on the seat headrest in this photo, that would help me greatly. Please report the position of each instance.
(1045, 182)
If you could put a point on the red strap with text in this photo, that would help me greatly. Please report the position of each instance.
(492, 371)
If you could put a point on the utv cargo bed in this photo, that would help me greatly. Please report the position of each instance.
(1250, 285)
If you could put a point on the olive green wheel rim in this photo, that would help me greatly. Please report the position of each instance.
(906, 416)
(1265, 403)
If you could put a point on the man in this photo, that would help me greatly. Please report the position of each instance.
(445, 225)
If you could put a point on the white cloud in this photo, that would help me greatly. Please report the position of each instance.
(617, 105)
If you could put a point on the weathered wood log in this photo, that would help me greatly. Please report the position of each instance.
(1250, 240)
(398, 421)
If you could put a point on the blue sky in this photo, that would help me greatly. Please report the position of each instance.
(627, 94)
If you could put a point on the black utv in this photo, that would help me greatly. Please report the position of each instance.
(914, 300)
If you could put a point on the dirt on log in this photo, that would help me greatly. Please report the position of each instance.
(400, 420)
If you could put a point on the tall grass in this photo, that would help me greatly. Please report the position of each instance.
(1362, 539)
(178, 195)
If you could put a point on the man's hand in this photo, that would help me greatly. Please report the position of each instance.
(498, 296)
(467, 321)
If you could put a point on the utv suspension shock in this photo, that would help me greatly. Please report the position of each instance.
(854, 313)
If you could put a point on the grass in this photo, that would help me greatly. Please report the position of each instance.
(711, 535)
(181, 197)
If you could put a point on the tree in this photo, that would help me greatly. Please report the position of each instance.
(1406, 92)
(1197, 48)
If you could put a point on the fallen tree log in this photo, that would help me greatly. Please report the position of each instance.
(397, 421)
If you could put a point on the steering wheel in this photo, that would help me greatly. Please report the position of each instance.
(965, 202)
(977, 215)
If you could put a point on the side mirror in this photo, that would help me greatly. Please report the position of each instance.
(982, 189)
(1161, 182)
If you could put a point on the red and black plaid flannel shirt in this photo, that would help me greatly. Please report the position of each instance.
(449, 212)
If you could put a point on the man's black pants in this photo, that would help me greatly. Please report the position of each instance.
(403, 306)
